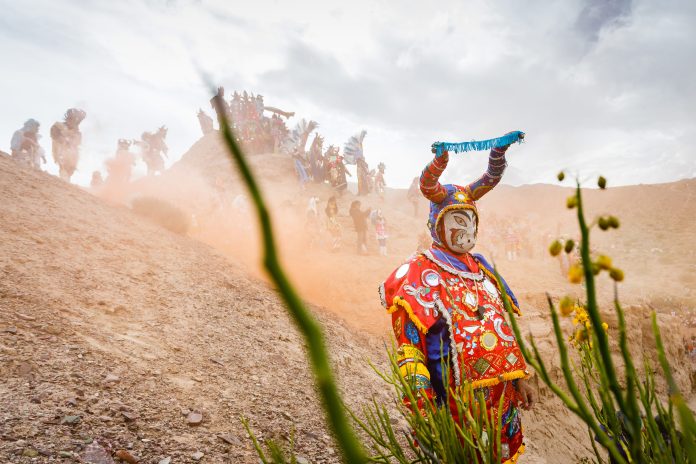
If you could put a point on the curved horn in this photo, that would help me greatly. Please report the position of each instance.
(492, 176)
(430, 185)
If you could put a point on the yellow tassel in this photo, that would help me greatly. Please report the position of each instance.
(519, 374)
(398, 301)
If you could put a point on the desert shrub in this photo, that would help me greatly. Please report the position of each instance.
(163, 213)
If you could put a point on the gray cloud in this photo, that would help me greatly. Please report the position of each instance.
(598, 85)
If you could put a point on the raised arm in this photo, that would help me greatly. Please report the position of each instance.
(492, 176)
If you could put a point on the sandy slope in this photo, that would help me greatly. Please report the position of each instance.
(90, 290)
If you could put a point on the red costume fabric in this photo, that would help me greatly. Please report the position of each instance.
(426, 289)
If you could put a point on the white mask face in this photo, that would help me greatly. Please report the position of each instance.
(460, 230)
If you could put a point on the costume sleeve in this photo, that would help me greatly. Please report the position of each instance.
(415, 307)
(492, 176)
(16, 142)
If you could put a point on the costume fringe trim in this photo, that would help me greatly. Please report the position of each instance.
(520, 452)
(478, 145)
(453, 346)
(398, 301)
(514, 375)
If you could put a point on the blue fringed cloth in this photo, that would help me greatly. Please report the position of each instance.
(478, 145)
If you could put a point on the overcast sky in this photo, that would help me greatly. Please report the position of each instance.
(598, 85)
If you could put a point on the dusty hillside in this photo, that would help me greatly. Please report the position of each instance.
(113, 319)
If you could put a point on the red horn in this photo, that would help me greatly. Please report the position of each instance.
(430, 184)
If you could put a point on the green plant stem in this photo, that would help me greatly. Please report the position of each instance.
(607, 365)
(345, 436)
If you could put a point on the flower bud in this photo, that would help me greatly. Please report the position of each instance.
(603, 223)
(561, 176)
(555, 248)
(595, 268)
(572, 202)
(569, 245)
(602, 182)
(575, 274)
(604, 262)
(616, 274)
(613, 222)
(566, 306)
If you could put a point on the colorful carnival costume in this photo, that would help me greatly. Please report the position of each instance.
(447, 302)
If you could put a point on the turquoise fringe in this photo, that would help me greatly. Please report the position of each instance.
(478, 145)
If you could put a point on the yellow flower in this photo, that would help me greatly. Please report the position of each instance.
(580, 316)
(580, 335)
(575, 274)
(605, 326)
(566, 306)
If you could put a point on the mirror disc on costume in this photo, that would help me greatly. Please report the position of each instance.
(470, 299)
(488, 340)
(402, 271)
(490, 287)
(430, 278)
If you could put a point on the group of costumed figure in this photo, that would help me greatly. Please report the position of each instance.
(66, 140)
(319, 166)
(256, 132)
(446, 301)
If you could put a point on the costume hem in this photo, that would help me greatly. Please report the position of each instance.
(506, 377)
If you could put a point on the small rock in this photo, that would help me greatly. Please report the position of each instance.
(26, 317)
(71, 402)
(53, 330)
(302, 460)
(197, 456)
(111, 378)
(96, 454)
(11, 330)
(124, 455)
(166, 460)
(185, 412)
(70, 420)
(24, 369)
(65, 454)
(129, 416)
(194, 418)
(217, 361)
(35, 400)
(30, 453)
(229, 439)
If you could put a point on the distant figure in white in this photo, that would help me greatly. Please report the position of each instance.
(67, 139)
(24, 145)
